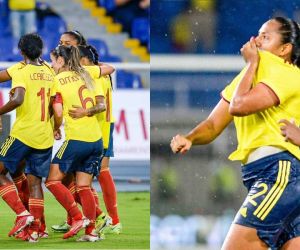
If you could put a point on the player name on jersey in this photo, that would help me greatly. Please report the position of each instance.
(41, 76)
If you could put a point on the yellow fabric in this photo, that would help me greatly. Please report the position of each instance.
(32, 125)
(73, 92)
(94, 71)
(203, 4)
(14, 68)
(21, 4)
(106, 117)
(262, 128)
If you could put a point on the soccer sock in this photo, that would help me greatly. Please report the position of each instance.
(72, 188)
(21, 184)
(65, 198)
(43, 223)
(109, 194)
(98, 209)
(9, 194)
(88, 202)
(36, 208)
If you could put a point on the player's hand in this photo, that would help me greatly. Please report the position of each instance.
(249, 51)
(290, 131)
(77, 112)
(57, 134)
(179, 144)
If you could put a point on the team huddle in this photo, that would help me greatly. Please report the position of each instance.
(76, 89)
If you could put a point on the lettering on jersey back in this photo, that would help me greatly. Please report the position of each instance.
(41, 76)
(68, 79)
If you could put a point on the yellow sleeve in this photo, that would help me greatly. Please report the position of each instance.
(94, 71)
(227, 93)
(18, 80)
(14, 68)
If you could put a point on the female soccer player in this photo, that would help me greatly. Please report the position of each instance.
(31, 137)
(89, 57)
(75, 38)
(266, 90)
(81, 151)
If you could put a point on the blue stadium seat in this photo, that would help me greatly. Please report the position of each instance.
(140, 29)
(110, 58)
(50, 40)
(54, 24)
(109, 5)
(127, 80)
(6, 48)
(100, 46)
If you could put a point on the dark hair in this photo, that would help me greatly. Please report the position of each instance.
(31, 45)
(290, 33)
(89, 52)
(77, 36)
(71, 56)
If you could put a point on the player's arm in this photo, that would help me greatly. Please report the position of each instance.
(206, 131)
(17, 98)
(106, 69)
(79, 112)
(4, 76)
(56, 104)
(247, 100)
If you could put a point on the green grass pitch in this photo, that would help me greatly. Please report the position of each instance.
(134, 212)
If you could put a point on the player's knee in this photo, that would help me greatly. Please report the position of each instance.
(104, 167)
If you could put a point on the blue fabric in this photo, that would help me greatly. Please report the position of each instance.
(13, 151)
(79, 156)
(275, 215)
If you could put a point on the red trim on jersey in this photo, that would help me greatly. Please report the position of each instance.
(224, 98)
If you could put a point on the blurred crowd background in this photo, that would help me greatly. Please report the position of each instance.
(195, 197)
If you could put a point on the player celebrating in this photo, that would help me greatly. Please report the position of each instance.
(266, 90)
(31, 137)
(89, 56)
(81, 151)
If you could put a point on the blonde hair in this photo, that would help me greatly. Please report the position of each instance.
(71, 56)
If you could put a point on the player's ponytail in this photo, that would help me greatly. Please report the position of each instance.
(290, 33)
(90, 53)
(72, 60)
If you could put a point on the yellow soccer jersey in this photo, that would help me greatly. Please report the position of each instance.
(32, 125)
(73, 92)
(106, 117)
(93, 70)
(14, 68)
(262, 128)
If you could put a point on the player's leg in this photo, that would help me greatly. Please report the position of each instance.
(37, 167)
(83, 185)
(69, 182)
(109, 196)
(107, 184)
(65, 198)
(12, 152)
(21, 183)
(84, 177)
(243, 238)
(292, 244)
